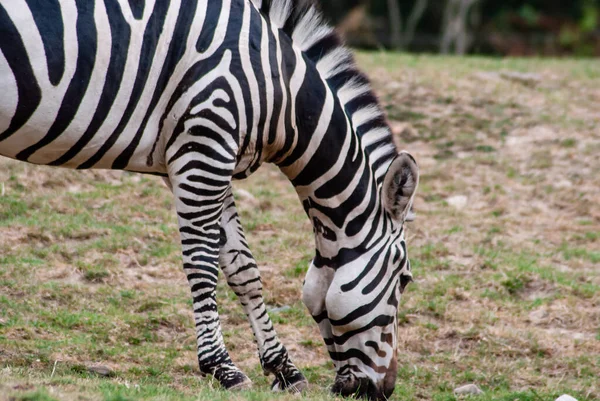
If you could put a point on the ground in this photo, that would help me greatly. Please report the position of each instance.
(505, 250)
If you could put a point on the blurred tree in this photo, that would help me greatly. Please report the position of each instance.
(456, 35)
(395, 24)
(513, 27)
(402, 34)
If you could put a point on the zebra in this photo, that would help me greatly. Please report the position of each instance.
(201, 93)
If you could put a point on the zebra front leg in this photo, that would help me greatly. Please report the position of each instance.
(199, 197)
(314, 292)
(243, 277)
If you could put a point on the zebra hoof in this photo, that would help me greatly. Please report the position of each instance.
(233, 379)
(296, 383)
(245, 385)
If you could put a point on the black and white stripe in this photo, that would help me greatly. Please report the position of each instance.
(202, 92)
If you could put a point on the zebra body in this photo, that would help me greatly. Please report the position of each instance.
(202, 92)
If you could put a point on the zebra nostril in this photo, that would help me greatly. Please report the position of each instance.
(352, 386)
(405, 279)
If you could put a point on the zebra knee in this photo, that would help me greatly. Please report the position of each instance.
(316, 284)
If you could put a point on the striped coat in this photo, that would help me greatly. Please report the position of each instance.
(202, 92)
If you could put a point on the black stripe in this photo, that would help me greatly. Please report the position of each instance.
(200, 192)
(309, 105)
(288, 66)
(137, 8)
(191, 76)
(364, 309)
(384, 268)
(358, 354)
(355, 225)
(121, 36)
(206, 167)
(245, 283)
(49, 22)
(256, 38)
(177, 48)
(214, 8)
(374, 259)
(277, 89)
(29, 92)
(151, 37)
(87, 38)
(379, 321)
(345, 176)
(204, 151)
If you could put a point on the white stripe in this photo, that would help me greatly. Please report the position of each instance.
(252, 84)
(124, 93)
(9, 94)
(89, 103)
(42, 119)
(160, 54)
(283, 101)
(316, 138)
(269, 91)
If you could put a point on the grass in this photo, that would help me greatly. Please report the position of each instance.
(506, 290)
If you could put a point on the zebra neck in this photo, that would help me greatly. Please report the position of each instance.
(328, 167)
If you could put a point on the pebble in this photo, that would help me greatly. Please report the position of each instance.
(566, 397)
(457, 201)
(284, 308)
(538, 316)
(101, 370)
(562, 184)
(246, 197)
(527, 79)
(468, 389)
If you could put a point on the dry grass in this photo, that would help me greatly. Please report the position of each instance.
(505, 251)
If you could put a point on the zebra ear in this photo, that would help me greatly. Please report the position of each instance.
(400, 185)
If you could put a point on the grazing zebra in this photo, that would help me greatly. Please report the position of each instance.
(204, 91)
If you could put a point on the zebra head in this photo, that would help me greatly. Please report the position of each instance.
(354, 284)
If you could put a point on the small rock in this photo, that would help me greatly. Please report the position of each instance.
(539, 134)
(21, 387)
(563, 268)
(457, 201)
(522, 78)
(538, 316)
(488, 76)
(246, 197)
(562, 184)
(280, 309)
(74, 189)
(101, 370)
(566, 397)
(468, 389)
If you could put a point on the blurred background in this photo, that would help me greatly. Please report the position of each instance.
(491, 27)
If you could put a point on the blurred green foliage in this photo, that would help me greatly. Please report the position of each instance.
(507, 27)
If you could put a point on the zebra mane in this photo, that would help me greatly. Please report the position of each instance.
(303, 22)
